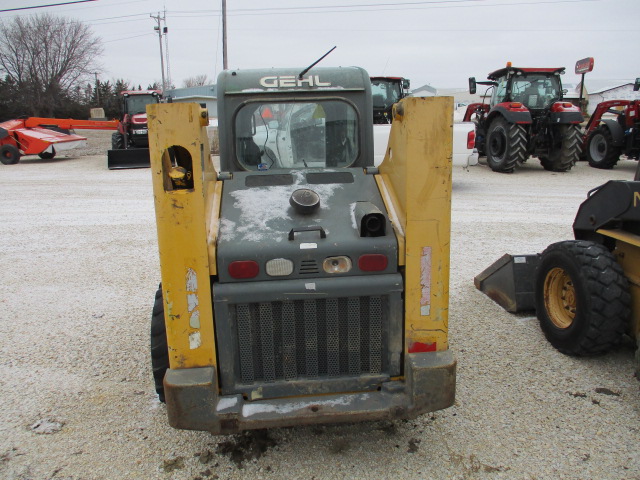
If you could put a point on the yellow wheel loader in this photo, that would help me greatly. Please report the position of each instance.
(301, 284)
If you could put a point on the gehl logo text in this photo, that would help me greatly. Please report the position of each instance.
(292, 81)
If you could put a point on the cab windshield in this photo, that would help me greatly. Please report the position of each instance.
(296, 135)
(535, 91)
(138, 103)
(385, 93)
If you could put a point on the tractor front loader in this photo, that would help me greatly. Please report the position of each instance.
(526, 116)
(605, 139)
(130, 144)
(301, 284)
(586, 292)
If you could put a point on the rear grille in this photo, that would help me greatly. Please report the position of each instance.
(291, 340)
(308, 266)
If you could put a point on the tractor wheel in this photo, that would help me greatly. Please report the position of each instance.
(506, 145)
(564, 155)
(9, 155)
(159, 348)
(582, 297)
(600, 150)
(117, 141)
(48, 155)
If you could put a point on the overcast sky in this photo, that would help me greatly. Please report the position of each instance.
(440, 43)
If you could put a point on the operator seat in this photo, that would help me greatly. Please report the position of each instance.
(378, 100)
(249, 152)
(531, 96)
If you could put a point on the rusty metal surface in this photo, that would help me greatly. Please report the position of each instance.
(193, 402)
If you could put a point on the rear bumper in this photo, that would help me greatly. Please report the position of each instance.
(465, 159)
(193, 402)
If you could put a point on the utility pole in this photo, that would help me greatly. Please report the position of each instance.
(97, 89)
(165, 30)
(158, 29)
(224, 34)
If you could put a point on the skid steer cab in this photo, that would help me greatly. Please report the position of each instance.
(300, 284)
(526, 116)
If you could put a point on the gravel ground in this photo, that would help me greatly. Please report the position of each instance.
(80, 270)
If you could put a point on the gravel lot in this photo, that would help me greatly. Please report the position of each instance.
(80, 270)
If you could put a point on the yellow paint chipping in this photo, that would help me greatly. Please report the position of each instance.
(177, 134)
(415, 181)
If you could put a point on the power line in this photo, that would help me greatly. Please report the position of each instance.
(128, 38)
(45, 6)
(432, 4)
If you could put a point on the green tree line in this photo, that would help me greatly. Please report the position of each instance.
(75, 103)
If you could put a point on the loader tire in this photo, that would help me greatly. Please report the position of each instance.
(117, 141)
(582, 297)
(601, 153)
(9, 155)
(159, 348)
(566, 153)
(506, 145)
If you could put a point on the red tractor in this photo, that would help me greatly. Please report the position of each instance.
(606, 139)
(526, 116)
(130, 144)
(386, 91)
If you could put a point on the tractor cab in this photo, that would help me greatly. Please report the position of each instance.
(385, 92)
(133, 127)
(536, 88)
(134, 102)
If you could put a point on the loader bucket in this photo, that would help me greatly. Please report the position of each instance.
(510, 282)
(128, 158)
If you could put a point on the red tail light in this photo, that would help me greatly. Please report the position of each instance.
(372, 262)
(471, 139)
(244, 269)
(420, 347)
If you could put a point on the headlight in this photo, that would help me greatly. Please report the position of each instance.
(336, 264)
(279, 267)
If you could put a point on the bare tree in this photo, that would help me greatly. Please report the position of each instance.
(196, 81)
(47, 57)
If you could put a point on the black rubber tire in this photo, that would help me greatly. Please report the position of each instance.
(9, 155)
(600, 150)
(582, 297)
(159, 347)
(48, 155)
(506, 145)
(117, 141)
(567, 152)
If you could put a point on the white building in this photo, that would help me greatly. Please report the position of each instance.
(205, 95)
(602, 90)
